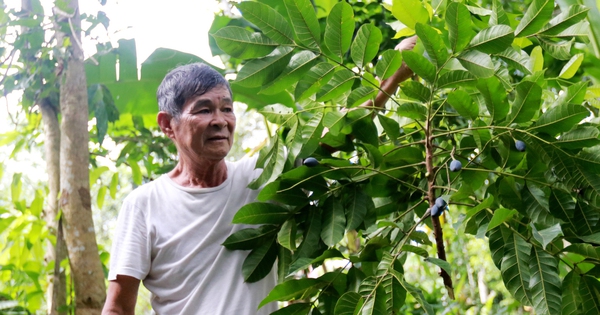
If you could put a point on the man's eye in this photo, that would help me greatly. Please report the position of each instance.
(228, 110)
(204, 111)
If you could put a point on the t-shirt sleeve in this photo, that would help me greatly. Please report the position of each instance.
(130, 253)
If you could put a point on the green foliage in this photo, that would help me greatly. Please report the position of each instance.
(487, 76)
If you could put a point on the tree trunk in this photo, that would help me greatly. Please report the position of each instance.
(57, 291)
(75, 200)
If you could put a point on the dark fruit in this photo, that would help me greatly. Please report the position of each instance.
(436, 211)
(311, 161)
(440, 203)
(520, 145)
(455, 166)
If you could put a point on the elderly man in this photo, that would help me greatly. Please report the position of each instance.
(170, 231)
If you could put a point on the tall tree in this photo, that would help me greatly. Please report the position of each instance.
(56, 295)
(75, 200)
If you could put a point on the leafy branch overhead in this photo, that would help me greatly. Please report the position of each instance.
(500, 124)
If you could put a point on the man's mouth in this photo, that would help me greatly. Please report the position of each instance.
(217, 138)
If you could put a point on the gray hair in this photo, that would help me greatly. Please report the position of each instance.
(184, 82)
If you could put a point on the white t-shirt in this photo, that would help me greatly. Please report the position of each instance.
(170, 237)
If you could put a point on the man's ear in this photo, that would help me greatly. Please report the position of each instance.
(164, 122)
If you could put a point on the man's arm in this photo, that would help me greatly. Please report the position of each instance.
(121, 296)
(389, 85)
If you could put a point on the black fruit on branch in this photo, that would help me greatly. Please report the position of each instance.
(310, 162)
(520, 145)
(455, 166)
(440, 203)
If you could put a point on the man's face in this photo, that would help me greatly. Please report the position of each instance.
(205, 127)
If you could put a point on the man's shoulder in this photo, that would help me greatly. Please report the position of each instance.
(146, 190)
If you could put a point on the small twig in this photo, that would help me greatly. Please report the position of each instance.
(79, 42)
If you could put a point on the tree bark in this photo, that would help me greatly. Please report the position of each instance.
(75, 200)
(57, 290)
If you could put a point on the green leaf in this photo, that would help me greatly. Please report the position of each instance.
(458, 21)
(299, 64)
(341, 82)
(312, 236)
(413, 111)
(281, 191)
(258, 72)
(289, 290)
(365, 45)
(440, 263)
(560, 118)
(565, 19)
(415, 249)
(500, 216)
(311, 135)
(410, 12)
(420, 65)
(350, 303)
(545, 284)
(569, 70)
(571, 296)
(418, 295)
(99, 198)
(339, 30)
(535, 204)
(493, 39)
(494, 95)
(434, 45)
(135, 171)
(305, 23)
(462, 102)
(360, 95)
(580, 138)
(261, 213)
(498, 15)
(259, 262)
(416, 90)
(560, 50)
(391, 127)
(455, 78)
(496, 241)
(241, 43)
(294, 309)
(313, 80)
(287, 234)
(334, 121)
(334, 222)
(250, 238)
(536, 62)
(477, 63)
(395, 293)
(278, 114)
(273, 165)
(114, 183)
(537, 15)
(518, 59)
(268, 20)
(390, 62)
(515, 268)
(356, 209)
(546, 236)
(589, 288)
(375, 299)
(526, 104)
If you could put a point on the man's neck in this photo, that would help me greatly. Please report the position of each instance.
(204, 174)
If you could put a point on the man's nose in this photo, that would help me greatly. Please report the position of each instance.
(219, 120)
